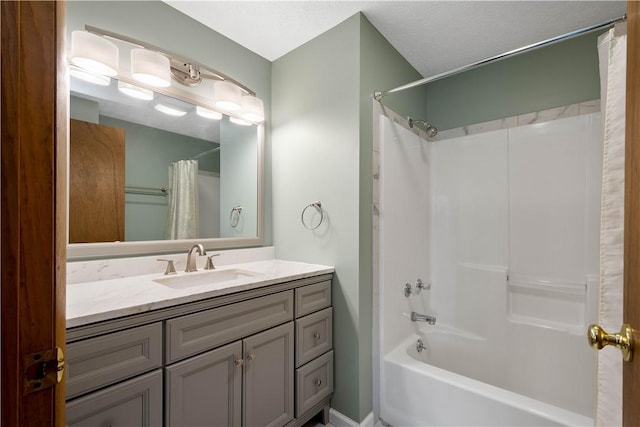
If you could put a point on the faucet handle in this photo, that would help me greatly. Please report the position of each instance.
(171, 269)
(420, 285)
(209, 265)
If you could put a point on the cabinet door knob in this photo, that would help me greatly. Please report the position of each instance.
(251, 356)
(238, 362)
(316, 336)
(318, 382)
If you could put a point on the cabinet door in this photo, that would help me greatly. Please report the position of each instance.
(206, 390)
(268, 377)
(133, 403)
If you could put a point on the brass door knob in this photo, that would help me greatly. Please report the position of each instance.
(599, 338)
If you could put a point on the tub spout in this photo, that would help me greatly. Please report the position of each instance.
(417, 317)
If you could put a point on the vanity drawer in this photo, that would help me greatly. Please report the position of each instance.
(195, 333)
(137, 402)
(314, 382)
(312, 298)
(313, 336)
(104, 360)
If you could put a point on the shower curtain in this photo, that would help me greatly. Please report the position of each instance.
(612, 48)
(182, 212)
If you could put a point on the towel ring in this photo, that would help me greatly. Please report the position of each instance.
(318, 206)
(238, 210)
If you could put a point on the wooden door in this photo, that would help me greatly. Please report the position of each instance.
(33, 123)
(96, 183)
(631, 371)
(206, 389)
(268, 377)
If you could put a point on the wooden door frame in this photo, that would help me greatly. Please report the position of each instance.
(33, 123)
(631, 375)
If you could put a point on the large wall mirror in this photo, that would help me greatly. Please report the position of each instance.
(152, 171)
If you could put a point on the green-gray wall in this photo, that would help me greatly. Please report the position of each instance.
(381, 68)
(322, 150)
(561, 74)
(157, 23)
(315, 135)
(238, 171)
(84, 109)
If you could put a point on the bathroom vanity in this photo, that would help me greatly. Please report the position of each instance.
(250, 349)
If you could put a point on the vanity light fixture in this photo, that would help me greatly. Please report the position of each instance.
(135, 91)
(227, 96)
(154, 66)
(169, 110)
(150, 67)
(96, 79)
(93, 53)
(208, 114)
(239, 121)
(252, 109)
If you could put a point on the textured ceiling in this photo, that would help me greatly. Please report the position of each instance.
(434, 36)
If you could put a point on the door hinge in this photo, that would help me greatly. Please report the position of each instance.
(43, 369)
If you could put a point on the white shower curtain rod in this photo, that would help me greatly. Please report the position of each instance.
(378, 95)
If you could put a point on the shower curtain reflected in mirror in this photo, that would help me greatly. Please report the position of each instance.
(182, 212)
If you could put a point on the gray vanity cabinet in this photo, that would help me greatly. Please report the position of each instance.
(268, 377)
(252, 377)
(253, 359)
(206, 390)
(136, 402)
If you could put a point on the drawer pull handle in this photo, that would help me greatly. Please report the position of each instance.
(318, 382)
(316, 336)
(238, 362)
(251, 356)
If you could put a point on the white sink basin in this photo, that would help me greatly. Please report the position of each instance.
(190, 280)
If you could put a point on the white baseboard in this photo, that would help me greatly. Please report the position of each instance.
(339, 420)
(368, 421)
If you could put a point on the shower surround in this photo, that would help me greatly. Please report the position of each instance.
(504, 225)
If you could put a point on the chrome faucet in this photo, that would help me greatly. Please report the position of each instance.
(191, 260)
(417, 317)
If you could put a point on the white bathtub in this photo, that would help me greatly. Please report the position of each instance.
(415, 393)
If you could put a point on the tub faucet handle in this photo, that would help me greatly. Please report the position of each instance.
(421, 286)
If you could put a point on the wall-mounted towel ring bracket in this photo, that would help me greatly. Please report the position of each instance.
(318, 206)
(234, 220)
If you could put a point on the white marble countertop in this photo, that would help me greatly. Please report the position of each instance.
(96, 301)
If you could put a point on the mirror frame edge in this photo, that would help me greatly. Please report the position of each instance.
(84, 251)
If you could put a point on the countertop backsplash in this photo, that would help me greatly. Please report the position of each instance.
(116, 268)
